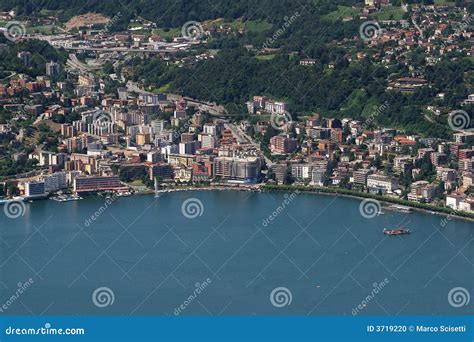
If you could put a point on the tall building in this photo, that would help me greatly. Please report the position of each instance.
(360, 176)
(35, 190)
(143, 138)
(187, 137)
(207, 140)
(211, 129)
(422, 191)
(55, 181)
(152, 98)
(276, 107)
(438, 158)
(158, 126)
(189, 147)
(382, 183)
(242, 169)
(318, 176)
(160, 170)
(25, 57)
(154, 157)
(52, 69)
(97, 183)
(283, 144)
(402, 164)
(281, 171)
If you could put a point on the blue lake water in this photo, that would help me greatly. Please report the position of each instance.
(318, 256)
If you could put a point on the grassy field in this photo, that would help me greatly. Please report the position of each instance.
(249, 26)
(168, 33)
(46, 29)
(265, 57)
(257, 25)
(31, 29)
(444, 2)
(389, 13)
(163, 89)
(342, 12)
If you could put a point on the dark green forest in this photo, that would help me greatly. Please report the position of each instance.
(41, 53)
(348, 90)
(174, 13)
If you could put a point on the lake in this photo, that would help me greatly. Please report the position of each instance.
(231, 253)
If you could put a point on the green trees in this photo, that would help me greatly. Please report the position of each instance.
(41, 53)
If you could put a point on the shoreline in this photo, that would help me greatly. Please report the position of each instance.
(438, 211)
(433, 210)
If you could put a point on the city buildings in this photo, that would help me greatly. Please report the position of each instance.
(97, 183)
(35, 190)
(381, 183)
(52, 69)
(283, 144)
(242, 169)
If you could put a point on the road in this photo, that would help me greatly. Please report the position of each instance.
(209, 107)
(74, 63)
(246, 139)
(120, 49)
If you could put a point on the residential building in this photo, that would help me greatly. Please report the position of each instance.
(283, 144)
(35, 190)
(97, 183)
(52, 69)
(422, 191)
(242, 169)
(382, 183)
(360, 176)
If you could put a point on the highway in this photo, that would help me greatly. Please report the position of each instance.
(121, 49)
(244, 138)
(74, 63)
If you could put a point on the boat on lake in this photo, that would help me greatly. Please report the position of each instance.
(400, 208)
(66, 198)
(396, 231)
(124, 194)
